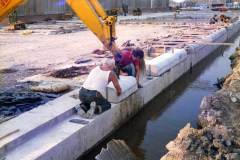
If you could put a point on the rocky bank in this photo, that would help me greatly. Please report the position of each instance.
(218, 135)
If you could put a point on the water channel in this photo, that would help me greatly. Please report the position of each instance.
(160, 121)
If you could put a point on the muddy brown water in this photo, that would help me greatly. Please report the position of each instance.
(160, 120)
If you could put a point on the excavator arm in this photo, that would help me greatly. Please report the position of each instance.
(7, 6)
(90, 12)
(95, 18)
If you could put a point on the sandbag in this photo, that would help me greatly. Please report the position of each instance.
(51, 87)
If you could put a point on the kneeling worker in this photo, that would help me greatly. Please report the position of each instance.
(93, 91)
(131, 63)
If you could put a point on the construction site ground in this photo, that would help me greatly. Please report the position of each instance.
(43, 53)
(66, 51)
(62, 51)
(51, 45)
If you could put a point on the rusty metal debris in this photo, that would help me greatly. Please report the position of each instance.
(71, 72)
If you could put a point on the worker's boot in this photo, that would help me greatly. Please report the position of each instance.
(99, 109)
(80, 111)
(92, 110)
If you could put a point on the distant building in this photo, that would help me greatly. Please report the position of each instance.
(194, 2)
(46, 7)
(43, 7)
(233, 3)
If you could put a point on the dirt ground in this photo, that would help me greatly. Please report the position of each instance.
(44, 51)
(33, 53)
(44, 48)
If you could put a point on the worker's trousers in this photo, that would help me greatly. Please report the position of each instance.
(87, 96)
(130, 70)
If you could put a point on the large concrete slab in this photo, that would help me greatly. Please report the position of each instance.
(164, 62)
(128, 85)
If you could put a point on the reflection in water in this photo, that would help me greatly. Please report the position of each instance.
(160, 120)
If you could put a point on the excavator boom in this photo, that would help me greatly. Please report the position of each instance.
(7, 6)
(95, 18)
(90, 12)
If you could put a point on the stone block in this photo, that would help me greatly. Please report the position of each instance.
(165, 62)
(128, 85)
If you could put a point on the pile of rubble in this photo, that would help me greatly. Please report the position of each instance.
(205, 144)
(180, 35)
(70, 72)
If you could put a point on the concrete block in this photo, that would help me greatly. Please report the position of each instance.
(163, 63)
(128, 85)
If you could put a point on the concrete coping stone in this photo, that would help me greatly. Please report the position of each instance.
(128, 85)
(164, 62)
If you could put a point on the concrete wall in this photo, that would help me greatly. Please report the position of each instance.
(143, 4)
(45, 7)
(208, 2)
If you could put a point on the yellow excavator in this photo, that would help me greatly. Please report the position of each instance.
(90, 12)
